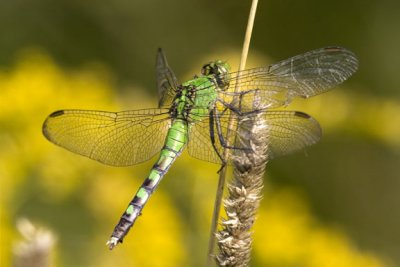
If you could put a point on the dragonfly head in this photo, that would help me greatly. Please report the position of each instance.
(220, 70)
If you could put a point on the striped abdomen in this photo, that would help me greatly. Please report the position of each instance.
(176, 140)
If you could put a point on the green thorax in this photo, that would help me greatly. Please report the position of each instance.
(198, 96)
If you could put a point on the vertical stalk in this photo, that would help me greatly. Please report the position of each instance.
(222, 174)
(247, 38)
(244, 192)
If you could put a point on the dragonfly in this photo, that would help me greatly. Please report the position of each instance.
(196, 115)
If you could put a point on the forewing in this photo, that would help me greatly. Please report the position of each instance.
(118, 139)
(166, 80)
(305, 75)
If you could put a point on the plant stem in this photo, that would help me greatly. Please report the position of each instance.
(247, 38)
(244, 191)
(222, 174)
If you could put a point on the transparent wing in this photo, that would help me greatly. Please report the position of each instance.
(305, 75)
(166, 80)
(200, 144)
(288, 131)
(118, 139)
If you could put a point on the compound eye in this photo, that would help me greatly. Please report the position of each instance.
(207, 69)
(221, 70)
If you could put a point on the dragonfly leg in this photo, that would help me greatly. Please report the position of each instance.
(220, 134)
(242, 92)
(212, 137)
(240, 97)
(237, 110)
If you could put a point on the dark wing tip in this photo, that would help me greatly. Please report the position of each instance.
(317, 133)
(334, 49)
(45, 129)
(57, 113)
(352, 59)
(302, 114)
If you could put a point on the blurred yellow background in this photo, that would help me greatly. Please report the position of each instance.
(335, 205)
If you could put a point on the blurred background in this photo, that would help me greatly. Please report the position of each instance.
(337, 204)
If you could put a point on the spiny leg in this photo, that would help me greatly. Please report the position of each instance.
(241, 95)
(212, 138)
(221, 137)
(237, 110)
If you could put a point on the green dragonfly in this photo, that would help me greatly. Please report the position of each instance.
(196, 115)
